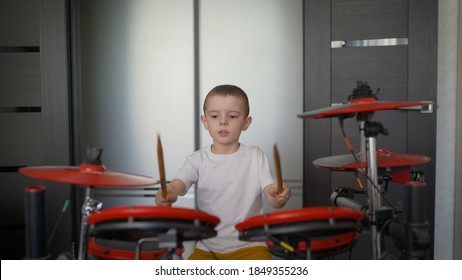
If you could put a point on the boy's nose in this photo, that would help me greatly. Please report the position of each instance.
(223, 122)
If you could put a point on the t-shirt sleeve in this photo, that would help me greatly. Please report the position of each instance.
(264, 171)
(188, 173)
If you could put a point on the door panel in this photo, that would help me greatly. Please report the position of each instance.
(381, 67)
(399, 71)
(369, 19)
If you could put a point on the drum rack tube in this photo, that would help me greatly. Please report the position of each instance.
(35, 223)
(416, 235)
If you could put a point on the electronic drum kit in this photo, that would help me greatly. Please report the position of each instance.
(157, 232)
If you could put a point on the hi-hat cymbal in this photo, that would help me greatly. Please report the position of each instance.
(360, 105)
(88, 175)
(385, 159)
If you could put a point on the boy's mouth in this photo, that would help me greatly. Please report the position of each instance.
(223, 133)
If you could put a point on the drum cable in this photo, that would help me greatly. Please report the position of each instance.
(55, 227)
(291, 249)
(284, 245)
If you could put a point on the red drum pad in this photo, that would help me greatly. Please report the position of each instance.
(106, 249)
(303, 224)
(134, 223)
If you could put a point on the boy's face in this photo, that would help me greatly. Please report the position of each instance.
(225, 119)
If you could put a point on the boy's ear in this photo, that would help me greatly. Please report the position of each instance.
(204, 122)
(247, 123)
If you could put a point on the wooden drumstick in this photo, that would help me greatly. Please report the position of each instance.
(277, 164)
(160, 160)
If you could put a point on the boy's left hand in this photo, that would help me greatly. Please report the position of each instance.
(281, 198)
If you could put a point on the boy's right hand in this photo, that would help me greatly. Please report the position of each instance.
(170, 198)
(174, 189)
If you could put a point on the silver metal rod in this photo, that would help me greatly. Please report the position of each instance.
(362, 143)
(373, 172)
(83, 225)
(374, 196)
(141, 242)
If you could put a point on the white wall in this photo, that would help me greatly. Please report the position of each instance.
(446, 129)
(458, 197)
(258, 46)
(138, 79)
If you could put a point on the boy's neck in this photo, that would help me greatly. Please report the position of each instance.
(225, 149)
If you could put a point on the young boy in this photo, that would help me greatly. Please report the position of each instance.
(230, 177)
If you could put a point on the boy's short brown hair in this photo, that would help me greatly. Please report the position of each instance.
(230, 90)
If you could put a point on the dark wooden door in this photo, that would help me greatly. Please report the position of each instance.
(35, 118)
(344, 43)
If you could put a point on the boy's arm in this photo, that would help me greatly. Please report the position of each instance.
(274, 199)
(174, 189)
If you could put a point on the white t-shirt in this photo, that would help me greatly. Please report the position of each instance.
(229, 187)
